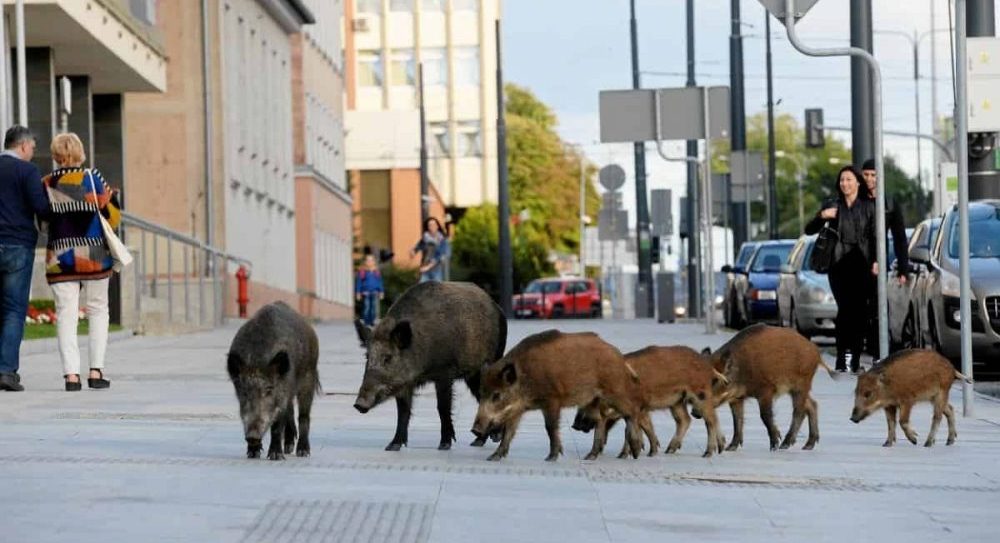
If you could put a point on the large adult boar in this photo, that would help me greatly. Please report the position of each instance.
(765, 362)
(549, 371)
(435, 333)
(907, 377)
(669, 378)
(272, 364)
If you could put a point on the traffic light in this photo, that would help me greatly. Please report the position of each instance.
(814, 128)
(654, 250)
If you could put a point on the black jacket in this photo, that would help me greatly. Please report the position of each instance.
(22, 199)
(862, 228)
(894, 224)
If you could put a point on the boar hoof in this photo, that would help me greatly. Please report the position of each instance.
(785, 446)
(809, 446)
(496, 457)
(707, 454)
(733, 446)
(253, 453)
(394, 446)
(929, 443)
(275, 455)
(951, 440)
(478, 442)
(303, 453)
(912, 437)
(889, 443)
(552, 457)
(444, 446)
(289, 447)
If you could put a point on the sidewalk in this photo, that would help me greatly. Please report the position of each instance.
(160, 457)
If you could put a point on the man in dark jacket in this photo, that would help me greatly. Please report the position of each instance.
(22, 201)
(894, 225)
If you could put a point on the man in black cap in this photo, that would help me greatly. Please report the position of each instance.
(894, 225)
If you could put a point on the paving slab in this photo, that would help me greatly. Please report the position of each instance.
(160, 457)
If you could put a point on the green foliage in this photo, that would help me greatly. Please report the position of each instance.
(395, 281)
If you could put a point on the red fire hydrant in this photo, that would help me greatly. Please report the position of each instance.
(242, 291)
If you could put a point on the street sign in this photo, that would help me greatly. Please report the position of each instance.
(777, 8)
(948, 180)
(612, 225)
(720, 195)
(629, 115)
(661, 219)
(983, 69)
(747, 167)
(611, 177)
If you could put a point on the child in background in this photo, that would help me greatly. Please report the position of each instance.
(368, 289)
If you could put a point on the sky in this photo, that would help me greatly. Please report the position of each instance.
(566, 51)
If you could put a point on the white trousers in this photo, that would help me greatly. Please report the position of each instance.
(67, 318)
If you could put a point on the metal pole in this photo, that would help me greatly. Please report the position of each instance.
(201, 289)
(154, 280)
(694, 243)
(772, 192)
(170, 281)
(961, 137)
(737, 102)
(984, 179)
(503, 198)
(802, 214)
(942, 146)
(916, 105)
(206, 77)
(938, 186)
(4, 52)
(861, 83)
(641, 201)
(425, 204)
(187, 279)
(793, 38)
(706, 206)
(583, 213)
(22, 69)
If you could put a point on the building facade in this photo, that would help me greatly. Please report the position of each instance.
(385, 44)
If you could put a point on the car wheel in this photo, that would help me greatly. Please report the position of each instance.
(595, 312)
(557, 312)
(935, 343)
(908, 336)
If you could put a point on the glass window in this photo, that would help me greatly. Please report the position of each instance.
(806, 254)
(370, 68)
(769, 258)
(432, 5)
(369, 7)
(467, 66)
(745, 253)
(469, 138)
(465, 5)
(402, 70)
(402, 6)
(984, 234)
(547, 287)
(439, 131)
(435, 67)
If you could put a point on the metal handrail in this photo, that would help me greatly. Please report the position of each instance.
(131, 220)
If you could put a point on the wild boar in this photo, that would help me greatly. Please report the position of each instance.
(669, 378)
(765, 362)
(435, 332)
(549, 371)
(272, 364)
(907, 377)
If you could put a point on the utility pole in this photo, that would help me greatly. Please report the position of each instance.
(772, 191)
(862, 128)
(506, 275)
(984, 179)
(938, 188)
(737, 102)
(22, 68)
(694, 237)
(962, 144)
(425, 203)
(642, 206)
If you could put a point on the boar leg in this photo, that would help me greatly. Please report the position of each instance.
(305, 399)
(601, 427)
(890, 419)
(290, 433)
(935, 420)
(712, 426)
(509, 429)
(551, 414)
(799, 410)
(274, 450)
(646, 424)
(950, 413)
(736, 406)
(633, 435)
(404, 401)
(444, 399)
(812, 409)
(904, 421)
(683, 422)
(766, 403)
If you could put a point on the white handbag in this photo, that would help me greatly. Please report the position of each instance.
(119, 252)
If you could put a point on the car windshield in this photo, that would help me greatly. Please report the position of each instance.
(770, 257)
(984, 234)
(744, 255)
(546, 287)
(808, 252)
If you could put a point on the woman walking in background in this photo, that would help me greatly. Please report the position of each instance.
(852, 214)
(432, 246)
(78, 258)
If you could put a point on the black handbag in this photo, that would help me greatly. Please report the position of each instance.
(822, 254)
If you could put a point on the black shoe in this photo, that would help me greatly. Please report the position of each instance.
(841, 363)
(100, 382)
(11, 382)
(73, 386)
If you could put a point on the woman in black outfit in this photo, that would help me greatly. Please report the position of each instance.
(852, 214)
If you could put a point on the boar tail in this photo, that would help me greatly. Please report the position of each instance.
(961, 377)
(632, 373)
(829, 370)
(501, 336)
(720, 377)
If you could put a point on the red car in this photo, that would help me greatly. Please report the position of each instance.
(558, 297)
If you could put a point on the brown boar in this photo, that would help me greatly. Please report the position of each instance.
(549, 371)
(907, 377)
(669, 378)
(765, 362)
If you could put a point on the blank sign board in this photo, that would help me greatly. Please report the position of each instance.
(629, 115)
(777, 8)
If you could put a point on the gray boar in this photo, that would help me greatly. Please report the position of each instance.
(435, 332)
(272, 363)
(907, 377)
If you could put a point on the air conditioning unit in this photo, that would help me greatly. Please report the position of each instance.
(360, 25)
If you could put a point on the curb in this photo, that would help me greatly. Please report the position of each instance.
(51, 345)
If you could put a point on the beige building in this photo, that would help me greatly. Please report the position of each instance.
(385, 41)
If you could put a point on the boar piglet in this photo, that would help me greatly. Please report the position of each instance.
(669, 378)
(907, 377)
(549, 371)
(272, 364)
(766, 362)
(434, 333)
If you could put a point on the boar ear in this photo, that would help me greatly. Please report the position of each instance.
(509, 374)
(706, 351)
(364, 332)
(281, 364)
(233, 365)
(402, 335)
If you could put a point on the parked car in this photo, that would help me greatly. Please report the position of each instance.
(757, 288)
(730, 303)
(941, 288)
(553, 298)
(904, 300)
(805, 300)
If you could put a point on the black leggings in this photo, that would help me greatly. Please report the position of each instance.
(850, 283)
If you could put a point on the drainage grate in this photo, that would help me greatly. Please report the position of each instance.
(308, 521)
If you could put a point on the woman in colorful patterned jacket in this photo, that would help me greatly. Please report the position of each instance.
(78, 258)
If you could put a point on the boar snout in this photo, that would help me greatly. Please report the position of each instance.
(362, 406)
(583, 423)
(254, 447)
(858, 416)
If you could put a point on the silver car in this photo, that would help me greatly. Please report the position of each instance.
(941, 288)
(805, 301)
(905, 299)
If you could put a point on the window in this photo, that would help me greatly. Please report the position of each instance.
(439, 131)
(144, 10)
(370, 68)
(432, 5)
(769, 258)
(467, 66)
(369, 7)
(402, 70)
(544, 287)
(435, 67)
(469, 138)
(401, 6)
(465, 5)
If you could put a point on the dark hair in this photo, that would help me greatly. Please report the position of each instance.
(16, 135)
(862, 187)
(427, 224)
(868, 165)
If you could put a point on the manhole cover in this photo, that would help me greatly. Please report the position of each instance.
(343, 521)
